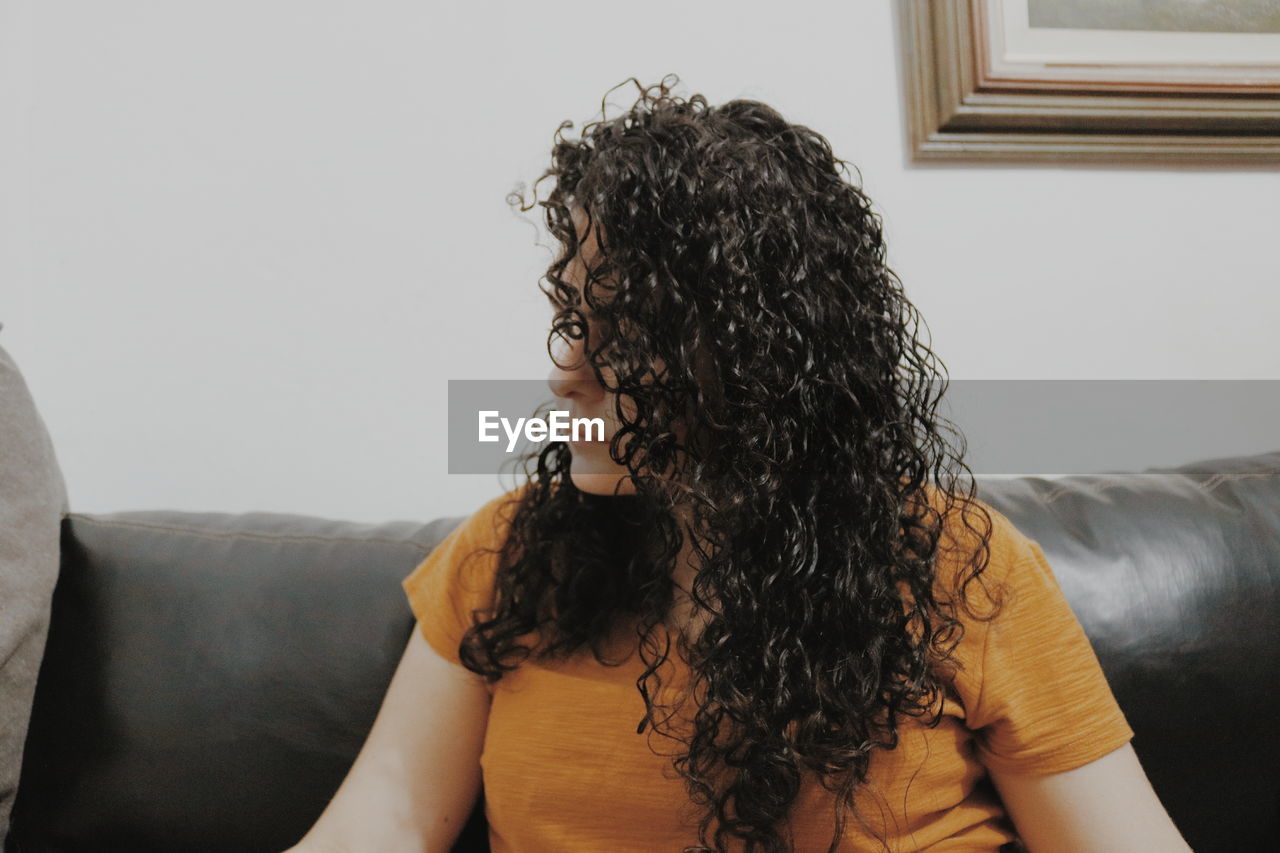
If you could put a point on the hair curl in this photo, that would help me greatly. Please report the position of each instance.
(791, 435)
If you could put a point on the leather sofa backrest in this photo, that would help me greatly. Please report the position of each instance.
(209, 678)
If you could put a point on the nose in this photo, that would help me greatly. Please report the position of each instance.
(571, 377)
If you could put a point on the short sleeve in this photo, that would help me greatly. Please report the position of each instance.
(1043, 704)
(458, 577)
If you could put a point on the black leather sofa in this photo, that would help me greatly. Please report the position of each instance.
(210, 677)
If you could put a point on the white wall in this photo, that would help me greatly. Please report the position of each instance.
(245, 244)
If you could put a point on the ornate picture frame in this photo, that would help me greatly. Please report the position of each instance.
(985, 81)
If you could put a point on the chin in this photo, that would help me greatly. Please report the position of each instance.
(594, 481)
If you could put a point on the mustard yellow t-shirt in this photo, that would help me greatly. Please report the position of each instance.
(565, 771)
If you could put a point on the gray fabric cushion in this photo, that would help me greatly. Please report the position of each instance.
(33, 501)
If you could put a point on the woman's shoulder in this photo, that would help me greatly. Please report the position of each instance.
(974, 534)
(1029, 680)
(487, 526)
(458, 576)
(468, 555)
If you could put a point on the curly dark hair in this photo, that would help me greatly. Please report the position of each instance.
(783, 420)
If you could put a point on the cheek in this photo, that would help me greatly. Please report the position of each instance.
(628, 407)
(608, 409)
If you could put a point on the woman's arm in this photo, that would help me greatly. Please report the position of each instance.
(1105, 805)
(416, 779)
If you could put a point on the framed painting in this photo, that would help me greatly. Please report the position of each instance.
(1093, 80)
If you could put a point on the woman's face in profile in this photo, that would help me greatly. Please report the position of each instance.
(579, 390)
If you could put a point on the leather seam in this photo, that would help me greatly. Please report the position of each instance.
(268, 537)
(1207, 485)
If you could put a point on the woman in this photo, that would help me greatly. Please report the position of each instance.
(763, 614)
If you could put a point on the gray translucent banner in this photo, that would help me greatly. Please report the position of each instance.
(1010, 426)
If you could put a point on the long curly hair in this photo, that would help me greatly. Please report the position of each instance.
(782, 419)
